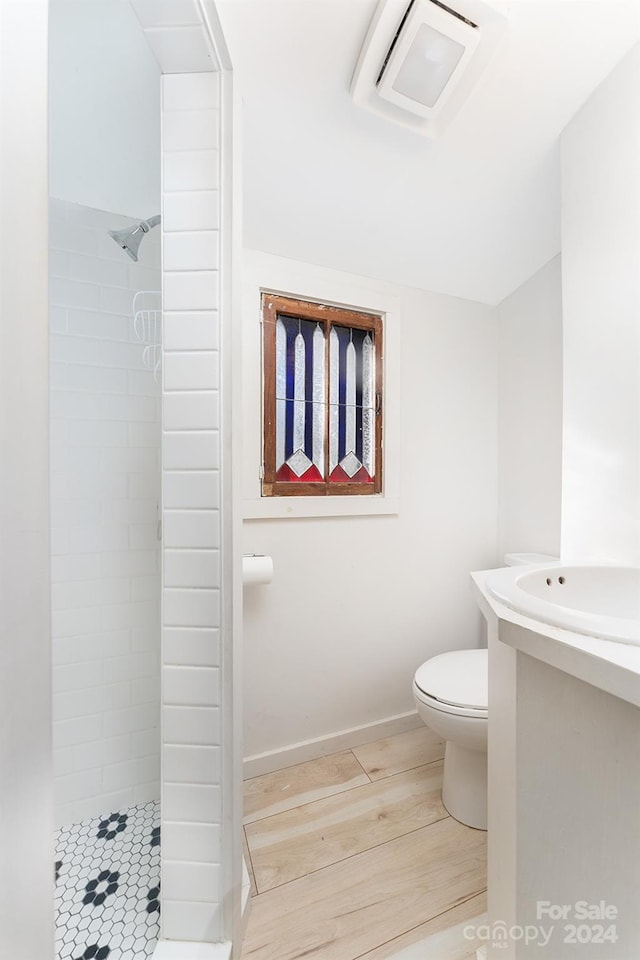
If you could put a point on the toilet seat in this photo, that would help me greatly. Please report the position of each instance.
(449, 708)
(455, 683)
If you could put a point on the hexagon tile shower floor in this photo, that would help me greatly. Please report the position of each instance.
(108, 886)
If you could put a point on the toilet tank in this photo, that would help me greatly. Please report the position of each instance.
(522, 559)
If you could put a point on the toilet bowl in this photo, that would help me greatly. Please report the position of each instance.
(451, 696)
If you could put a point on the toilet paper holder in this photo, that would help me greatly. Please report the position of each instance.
(257, 568)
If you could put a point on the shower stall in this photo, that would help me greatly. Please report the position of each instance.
(105, 479)
(105, 572)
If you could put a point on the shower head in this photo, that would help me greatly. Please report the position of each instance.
(131, 237)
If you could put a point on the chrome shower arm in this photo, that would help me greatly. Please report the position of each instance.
(150, 223)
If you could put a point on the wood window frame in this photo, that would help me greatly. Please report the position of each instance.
(274, 305)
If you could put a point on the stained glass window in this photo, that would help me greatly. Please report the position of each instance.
(322, 390)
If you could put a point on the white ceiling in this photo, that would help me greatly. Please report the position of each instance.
(472, 214)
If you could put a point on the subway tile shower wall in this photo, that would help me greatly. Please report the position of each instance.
(105, 495)
(191, 801)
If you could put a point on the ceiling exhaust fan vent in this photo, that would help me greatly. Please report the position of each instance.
(443, 6)
(422, 77)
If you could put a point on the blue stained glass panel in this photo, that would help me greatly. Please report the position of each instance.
(300, 379)
(352, 424)
(302, 368)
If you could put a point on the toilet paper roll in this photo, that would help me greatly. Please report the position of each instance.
(256, 569)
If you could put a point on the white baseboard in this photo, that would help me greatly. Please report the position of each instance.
(177, 950)
(272, 760)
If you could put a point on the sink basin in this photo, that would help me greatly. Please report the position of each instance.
(600, 600)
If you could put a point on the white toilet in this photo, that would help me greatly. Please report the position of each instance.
(451, 696)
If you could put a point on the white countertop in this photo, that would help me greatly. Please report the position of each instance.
(607, 664)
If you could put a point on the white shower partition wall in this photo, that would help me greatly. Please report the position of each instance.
(201, 851)
(191, 803)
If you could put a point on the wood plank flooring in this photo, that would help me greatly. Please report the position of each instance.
(395, 754)
(270, 794)
(354, 856)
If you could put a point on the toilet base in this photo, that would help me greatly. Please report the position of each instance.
(464, 785)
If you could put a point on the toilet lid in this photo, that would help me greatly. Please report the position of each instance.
(459, 678)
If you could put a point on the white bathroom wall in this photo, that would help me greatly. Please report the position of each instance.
(357, 603)
(530, 415)
(192, 881)
(601, 288)
(105, 498)
(104, 94)
(26, 801)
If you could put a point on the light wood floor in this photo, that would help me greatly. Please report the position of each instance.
(354, 856)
